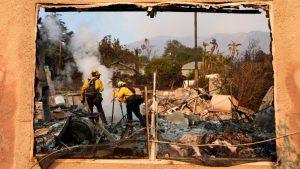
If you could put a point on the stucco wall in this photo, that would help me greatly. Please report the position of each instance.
(17, 60)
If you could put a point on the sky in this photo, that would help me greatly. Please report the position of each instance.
(133, 26)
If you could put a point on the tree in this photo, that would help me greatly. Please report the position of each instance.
(204, 44)
(205, 58)
(214, 46)
(137, 51)
(112, 51)
(203, 82)
(249, 79)
(168, 72)
(233, 49)
(252, 49)
(179, 53)
(54, 43)
(147, 48)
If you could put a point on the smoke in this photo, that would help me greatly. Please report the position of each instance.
(65, 76)
(53, 33)
(53, 28)
(84, 47)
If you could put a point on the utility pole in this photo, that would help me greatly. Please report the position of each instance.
(196, 74)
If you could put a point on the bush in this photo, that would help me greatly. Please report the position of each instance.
(168, 73)
(203, 82)
(249, 80)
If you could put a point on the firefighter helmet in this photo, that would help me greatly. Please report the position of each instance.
(121, 83)
(95, 72)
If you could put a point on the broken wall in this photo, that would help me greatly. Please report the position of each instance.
(17, 61)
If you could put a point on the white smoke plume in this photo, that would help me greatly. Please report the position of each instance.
(54, 34)
(65, 76)
(53, 27)
(84, 47)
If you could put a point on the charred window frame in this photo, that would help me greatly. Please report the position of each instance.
(165, 7)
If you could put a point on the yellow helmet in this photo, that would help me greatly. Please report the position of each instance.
(95, 72)
(121, 83)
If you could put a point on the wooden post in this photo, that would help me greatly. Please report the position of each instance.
(73, 101)
(203, 62)
(153, 125)
(113, 109)
(195, 106)
(147, 119)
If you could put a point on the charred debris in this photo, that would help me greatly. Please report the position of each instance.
(189, 124)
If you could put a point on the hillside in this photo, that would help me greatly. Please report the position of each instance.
(223, 40)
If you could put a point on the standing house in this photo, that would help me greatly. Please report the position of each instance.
(186, 70)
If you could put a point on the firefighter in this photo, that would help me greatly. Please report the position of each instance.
(91, 92)
(127, 95)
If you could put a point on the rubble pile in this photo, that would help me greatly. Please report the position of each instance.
(45, 135)
(190, 123)
(227, 133)
(265, 117)
(79, 128)
(184, 100)
(198, 102)
(217, 121)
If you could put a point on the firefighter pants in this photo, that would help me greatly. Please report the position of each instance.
(97, 102)
(135, 108)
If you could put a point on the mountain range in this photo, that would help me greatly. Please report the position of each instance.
(223, 39)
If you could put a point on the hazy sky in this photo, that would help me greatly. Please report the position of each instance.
(133, 26)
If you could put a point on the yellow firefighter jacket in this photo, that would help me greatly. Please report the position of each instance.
(123, 94)
(98, 85)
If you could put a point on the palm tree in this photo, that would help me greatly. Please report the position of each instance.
(204, 44)
(148, 48)
(233, 49)
(214, 45)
